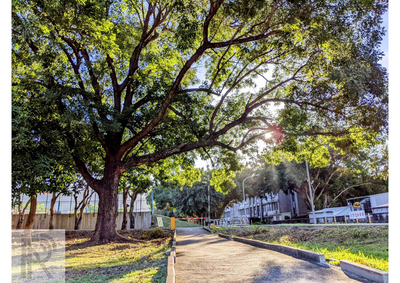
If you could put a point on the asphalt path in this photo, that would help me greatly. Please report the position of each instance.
(204, 257)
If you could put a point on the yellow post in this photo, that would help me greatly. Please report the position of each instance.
(334, 218)
(345, 219)
(369, 218)
(325, 219)
(172, 223)
(357, 218)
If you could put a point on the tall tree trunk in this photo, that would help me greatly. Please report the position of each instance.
(125, 206)
(32, 213)
(52, 204)
(76, 207)
(81, 207)
(106, 225)
(78, 217)
(132, 205)
(78, 220)
(21, 213)
(20, 221)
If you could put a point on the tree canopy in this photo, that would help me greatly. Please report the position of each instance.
(131, 83)
(189, 201)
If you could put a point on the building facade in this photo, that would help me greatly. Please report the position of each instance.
(372, 207)
(278, 206)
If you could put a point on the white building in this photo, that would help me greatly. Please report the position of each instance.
(66, 204)
(376, 206)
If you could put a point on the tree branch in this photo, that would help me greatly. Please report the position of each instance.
(345, 190)
(114, 81)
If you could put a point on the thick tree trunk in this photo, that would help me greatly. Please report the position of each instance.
(125, 205)
(32, 213)
(106, 225)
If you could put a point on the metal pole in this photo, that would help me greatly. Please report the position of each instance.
(209, 219)
(152, 200)
(311, 194)
(244, 198)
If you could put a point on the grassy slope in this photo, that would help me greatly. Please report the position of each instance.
(365, 245)
(115, 262)
(178, 223)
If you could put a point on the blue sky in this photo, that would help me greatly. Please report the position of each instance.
(385, 41)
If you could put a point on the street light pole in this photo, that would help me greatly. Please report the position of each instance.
(152, 201)
(209, 219)
(311, 194)
(244, 197)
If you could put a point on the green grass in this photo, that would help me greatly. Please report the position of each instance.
(364, 245)
(144, 261)
(117, 262)
(178, 223)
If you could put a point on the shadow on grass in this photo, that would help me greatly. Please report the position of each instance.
(131, 263)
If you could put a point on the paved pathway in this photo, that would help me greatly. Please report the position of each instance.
(204, 257)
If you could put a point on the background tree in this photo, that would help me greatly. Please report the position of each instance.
(59, 185)
(122, 78)
(356, 173)
(189, 201)
(40, 163)
(133, 184)
(80, 188)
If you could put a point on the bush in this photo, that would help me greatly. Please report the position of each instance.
(154, 234)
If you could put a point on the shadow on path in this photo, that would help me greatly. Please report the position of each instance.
(204, 257)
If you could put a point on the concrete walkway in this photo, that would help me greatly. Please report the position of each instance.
(204, 257)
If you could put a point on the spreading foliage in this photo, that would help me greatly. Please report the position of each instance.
(133, 83)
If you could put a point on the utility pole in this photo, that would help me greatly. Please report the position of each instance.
(244, 196)
(311, 194)
(152, 201)
(208, 183)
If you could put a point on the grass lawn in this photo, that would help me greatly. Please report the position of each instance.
(365, 245)
(113, 262)
(117, 262)
(178, 223)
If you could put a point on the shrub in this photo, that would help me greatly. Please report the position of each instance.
(154, 234)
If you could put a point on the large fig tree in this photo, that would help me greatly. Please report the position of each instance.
(135, 82)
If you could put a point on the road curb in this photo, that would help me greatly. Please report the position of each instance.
(295, 252)
(367, 272)
(208, 230)
(171, 262)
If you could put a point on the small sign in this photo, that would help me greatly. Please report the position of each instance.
(357, 214)
(160, 222)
